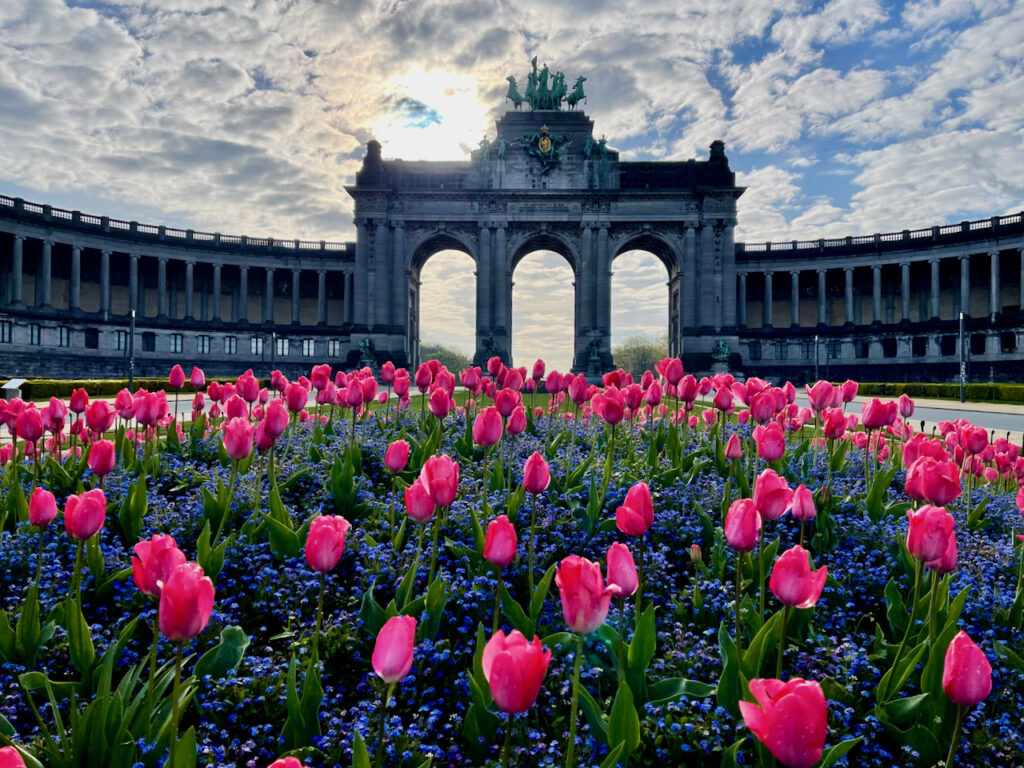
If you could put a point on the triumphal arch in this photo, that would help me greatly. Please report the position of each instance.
(546, 182)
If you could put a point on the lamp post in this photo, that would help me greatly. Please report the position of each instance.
(816, 377)
(273, 348)
(131, 352)
(963, 362)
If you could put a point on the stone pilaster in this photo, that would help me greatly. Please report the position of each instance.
(216, 297)
(17, 270)
(45, 275)
(794, 299)
(767, 306)
(105, 283)
(161, 288)
(321, 296)
(190, 283)
(993, 298)
(296, 278)
(75, 286)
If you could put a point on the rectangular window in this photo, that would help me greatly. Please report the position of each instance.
(334, 348)
(230, 345)
(177, 342)
(6, 326)
(755, 350)
(92, 338)
(977, 343)
(861, 347)
(889, 347)
(34, 334)
(255, 345)
(781, 350)
(122, 341)
(919, 346)
(282, 347)
(308, 347)
(807, 348)
(834, 346)
(149, 342)
(203, 344)
(64, 336)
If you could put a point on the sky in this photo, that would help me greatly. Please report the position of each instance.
(250, 116)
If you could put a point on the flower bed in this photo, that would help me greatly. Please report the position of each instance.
(636, 515)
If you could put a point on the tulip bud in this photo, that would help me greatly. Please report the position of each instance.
(176, 378)
(186, 601)
(153, 562)
(514, 670)
(622, 569)
(790, 719)
(326, 542)
(967, 674)
(238, 438)
(585, 598)
(803, 504)
(636, 515)
(397, 455)
(101, 457)
(536, 474)
(418, 503)
(85, 514)
(500, 542)
(487, 427)
(393, 649)
(440, 478)
(695, 554)
(42, 507)
(11, 758)
(733, 449)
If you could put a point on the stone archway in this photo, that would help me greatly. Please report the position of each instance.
(424, 246)
(665, 246)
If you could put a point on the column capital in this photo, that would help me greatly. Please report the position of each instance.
(966, 256)
(322, 271)
(19, 237)
(105, 252)
(134, 256)
(994, 252)
(848, 269)
(76, 247)
(795, 272)
(163, 259)
(48, 240)
(933, 259)
(190, 261)
(269, 268)
(876, 267)
(296, 270)
(243, 267)
(767, 272)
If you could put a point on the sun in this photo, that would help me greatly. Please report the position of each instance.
(431, 116)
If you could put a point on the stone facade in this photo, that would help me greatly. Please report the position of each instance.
(880, 307)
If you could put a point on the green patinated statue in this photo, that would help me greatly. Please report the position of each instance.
(721, 352)
(544, 90)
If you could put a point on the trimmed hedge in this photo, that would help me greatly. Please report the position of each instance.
(983, 392)
(43, 389)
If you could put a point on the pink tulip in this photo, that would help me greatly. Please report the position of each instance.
(102, 457)
(197, 379)
(439, 403)
(295, 397)
(636, 515)
(514, 670)
(771, 441)
(42, 507)
(928, 533)
(487, 427)
(610, 405)
(877, 414)
(500, 542)
(418, 503)
(967, 674)
(536, 474)
(153, 563)
(772, 495)
(440, 478)
(723, 399)
(238, 438)
(275, 419)
(10, 758)
(397, 456)
(29, 425)
(186, 601)
(742, 524)
(947, 562)
(326, 542)
(935, 481)
(320, 375)
(248, 387)
(84, 515)
(263, 441)
(792, 580)
(789, 718)
(584, 596)
(393, 649)
(849, 390)
(622, 569)
(733, 449)
(78, 401)
(906, 406)
(803, 504)
(516, 421)
(286, 762)
(176, 378)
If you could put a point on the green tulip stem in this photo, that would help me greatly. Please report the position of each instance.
(175, 712)
(151, 685)
(76, 578)
(782, 642)
(956, 736)
(391, 509)
(507, 749)
(497, 604)
(232, 479)
(640, 576)
(760, 572)
(570, 754)
(315, 656)
(739, 594)
(802, 522)
(433, 548)
(932, 611)
(487, 450)
(39, 559)
(378, 758)
(910, 621)
(352, 436)
(621, 649)
(533, 523)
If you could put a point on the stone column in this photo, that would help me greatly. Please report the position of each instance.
(380, 299)
(243, 294)
(17, 266)
(822, 297)
(993, 294)
(215, 313)
(767, 306)
(934, 305)
(691, 318)
(359, 292)
(728, 276)
(965, 285)
(204, 304)
(321, 296)
(905, 291)
(586, 308)
(849, 294)
(105, 283)
(268, 297)
(876, 293)
(161, 288)
(350, 289)
(133, 281)
(484, 278)
(604, 290)
(399, 301)
(45, 273)
(741, 305)
(502, 296)
(794, 299)
(296, 278)
(190, 272)
(75, 288)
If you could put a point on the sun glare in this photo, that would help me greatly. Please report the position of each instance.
(431, 116)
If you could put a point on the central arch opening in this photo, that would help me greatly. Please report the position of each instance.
(642, 285)
(442, 317)
(543, 307)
